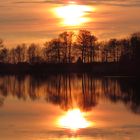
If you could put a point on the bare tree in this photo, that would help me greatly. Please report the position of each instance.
(32, 53)
(86, 43)
(1, 43)
(135, 45)
(12, 56)
(53, 51)
(20, 53)
(4, 55)
(92, 45)
(112, 44)
(66, 38)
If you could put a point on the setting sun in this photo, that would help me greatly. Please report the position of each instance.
(73, 14)
(74, 120)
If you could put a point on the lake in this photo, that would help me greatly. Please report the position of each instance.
(69, 107)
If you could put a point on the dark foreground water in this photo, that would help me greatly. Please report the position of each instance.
(69, 107)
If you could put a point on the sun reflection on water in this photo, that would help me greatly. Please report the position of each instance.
(74, 120)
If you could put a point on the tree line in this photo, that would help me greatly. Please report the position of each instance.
(69, 47)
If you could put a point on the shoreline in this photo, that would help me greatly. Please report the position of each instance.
(97, 68)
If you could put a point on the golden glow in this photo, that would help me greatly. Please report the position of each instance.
(74, 120)
(73, 14)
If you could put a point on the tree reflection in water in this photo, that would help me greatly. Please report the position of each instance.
(72, 90)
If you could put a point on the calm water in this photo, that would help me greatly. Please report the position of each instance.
(69, 107)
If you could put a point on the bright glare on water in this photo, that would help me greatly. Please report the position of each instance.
(69, 107)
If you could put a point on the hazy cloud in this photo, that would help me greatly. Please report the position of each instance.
(32, 19)
(126, 3)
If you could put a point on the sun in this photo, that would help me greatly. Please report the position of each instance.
(74, 120)
(73, 14)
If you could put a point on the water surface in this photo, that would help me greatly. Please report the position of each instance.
(31, 107)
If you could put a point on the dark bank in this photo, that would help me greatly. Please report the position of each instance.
(116, 69)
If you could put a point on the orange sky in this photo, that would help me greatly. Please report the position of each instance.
(27, 21)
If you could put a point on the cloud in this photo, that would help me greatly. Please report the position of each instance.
(32, 19)
(125, 3)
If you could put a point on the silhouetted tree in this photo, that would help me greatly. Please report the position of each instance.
(4, 55)
(2, 50)
(66, 38)
(46, 51)
(1, 43)
(12, 56)
(91, 50)
(126, 51)
(20, 53)
(86, 43)
(32, 53)
(53, 51)
(135, 44)
(104, 51)
(112, 44)
(70, 44)
(83, 41)
(68, 49)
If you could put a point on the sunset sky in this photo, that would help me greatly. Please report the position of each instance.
(27, 21)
